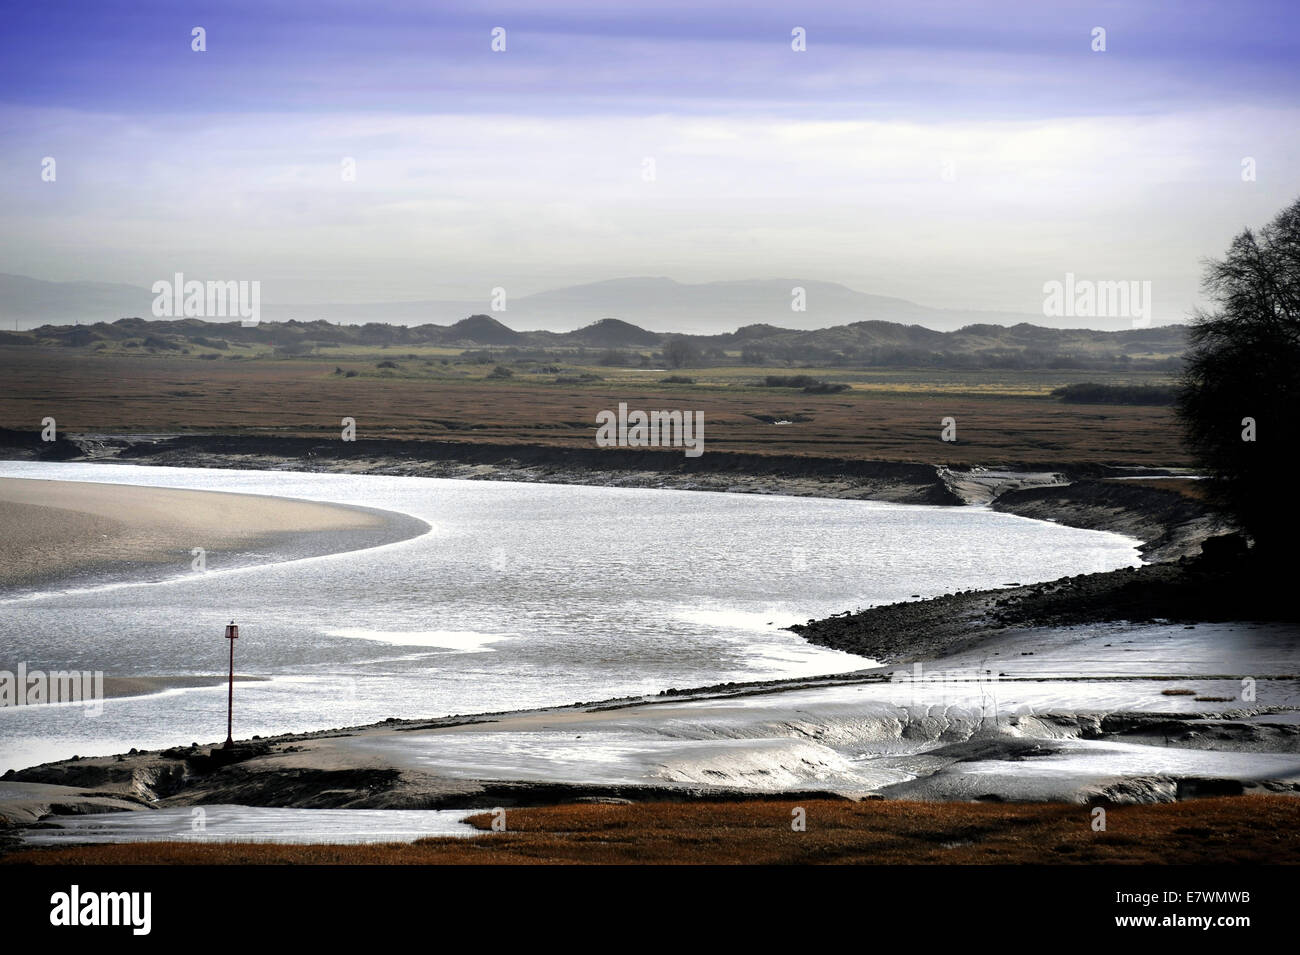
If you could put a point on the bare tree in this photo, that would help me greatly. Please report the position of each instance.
(1239, 396)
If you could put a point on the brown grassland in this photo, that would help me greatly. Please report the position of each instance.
(1240, 830)
(1015, 423)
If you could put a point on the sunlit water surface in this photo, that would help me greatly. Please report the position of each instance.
(520, 595)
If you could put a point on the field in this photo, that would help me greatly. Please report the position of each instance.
(1245, 829)
(1002, 417)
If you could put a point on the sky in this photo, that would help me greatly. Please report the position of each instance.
(954, 153)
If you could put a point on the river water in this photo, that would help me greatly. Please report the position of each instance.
(519, 595)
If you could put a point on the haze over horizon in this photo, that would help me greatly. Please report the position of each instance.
(655, 303)
(923, 151)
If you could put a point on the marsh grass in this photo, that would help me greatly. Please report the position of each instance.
(885, 416)
(1241, 829)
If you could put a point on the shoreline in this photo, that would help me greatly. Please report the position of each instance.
(289, 773)
(1053, 708)
(1204, 590)
(1090, 496)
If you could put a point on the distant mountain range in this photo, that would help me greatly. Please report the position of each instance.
(661, 304)
(27, 302)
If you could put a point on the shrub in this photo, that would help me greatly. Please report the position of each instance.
(789, 381)
(1091, 393)
(825, 388)
(585, 378)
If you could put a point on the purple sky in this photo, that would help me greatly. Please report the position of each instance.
(954, 153)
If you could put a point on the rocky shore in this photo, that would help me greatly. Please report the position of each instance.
(1224, 585)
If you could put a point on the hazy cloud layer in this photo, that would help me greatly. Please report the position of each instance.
(931, 151)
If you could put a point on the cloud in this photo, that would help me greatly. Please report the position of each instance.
(931, 150)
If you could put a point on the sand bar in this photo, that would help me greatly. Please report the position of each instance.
(57, 529)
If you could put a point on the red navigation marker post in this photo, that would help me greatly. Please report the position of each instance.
(232, 634)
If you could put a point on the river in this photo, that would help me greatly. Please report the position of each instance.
(520, 595)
